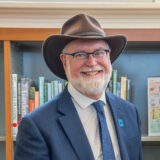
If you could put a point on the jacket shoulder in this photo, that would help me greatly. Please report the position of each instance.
(119, 100)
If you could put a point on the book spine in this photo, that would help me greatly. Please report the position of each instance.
(45, 92)
(55, 87)
(49, 91)
(19, 102)
(24, 96)
(41, 90)
(123, 87)
(114, 81)
(31, 105)
(60, 86)
(52, 89)
(128, 96)
(36, 99)
(14, 78)
(118, 89)
(31, 99)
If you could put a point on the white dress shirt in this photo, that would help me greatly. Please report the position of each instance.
(88, 117)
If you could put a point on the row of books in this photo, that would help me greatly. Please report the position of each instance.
(120, 86)
(26, 95)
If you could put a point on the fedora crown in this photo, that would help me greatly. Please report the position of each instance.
(82, 25)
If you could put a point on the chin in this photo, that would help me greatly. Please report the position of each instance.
(90, 86)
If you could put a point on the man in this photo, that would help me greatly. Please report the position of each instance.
(83, 122)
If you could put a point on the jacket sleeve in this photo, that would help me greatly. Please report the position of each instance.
(30, 144)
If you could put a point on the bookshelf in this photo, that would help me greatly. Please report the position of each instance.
(27, 60)
(20, 52)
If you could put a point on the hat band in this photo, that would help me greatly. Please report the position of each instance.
(90, 34)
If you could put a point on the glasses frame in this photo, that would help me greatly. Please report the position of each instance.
(107, 51)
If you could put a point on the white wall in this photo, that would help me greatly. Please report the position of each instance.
(79, 0)
(53, 15)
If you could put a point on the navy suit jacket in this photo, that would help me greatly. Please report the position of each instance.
(54, 131)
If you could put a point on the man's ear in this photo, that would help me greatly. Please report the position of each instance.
(63, 59)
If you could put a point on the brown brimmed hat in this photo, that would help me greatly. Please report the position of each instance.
(81, 26)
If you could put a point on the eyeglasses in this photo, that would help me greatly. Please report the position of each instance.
(81, 55)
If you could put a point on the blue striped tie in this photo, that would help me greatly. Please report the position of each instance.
(107, 148)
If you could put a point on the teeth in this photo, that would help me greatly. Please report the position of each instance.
(91, 73)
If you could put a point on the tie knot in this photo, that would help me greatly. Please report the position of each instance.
(98, 105)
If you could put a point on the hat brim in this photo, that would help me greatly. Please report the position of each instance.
(53, 46)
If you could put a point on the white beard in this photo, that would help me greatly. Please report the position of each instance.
(89, 86)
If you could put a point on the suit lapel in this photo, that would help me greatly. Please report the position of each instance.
(118, 114)
(73, 127)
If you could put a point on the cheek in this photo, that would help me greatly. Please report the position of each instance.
(106, 65)
(74, 69)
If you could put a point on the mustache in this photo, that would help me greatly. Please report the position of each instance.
(92, 69)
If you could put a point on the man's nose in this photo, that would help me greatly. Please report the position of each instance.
(91, 61)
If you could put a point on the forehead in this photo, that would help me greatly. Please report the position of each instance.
(84, 44)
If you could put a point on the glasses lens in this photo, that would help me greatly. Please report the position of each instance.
(99, 53)
(80, 55)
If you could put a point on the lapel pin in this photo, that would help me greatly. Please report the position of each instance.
(120, 121)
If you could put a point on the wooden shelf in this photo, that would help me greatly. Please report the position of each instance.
(2, 138)
(146, 138)
(150, 140)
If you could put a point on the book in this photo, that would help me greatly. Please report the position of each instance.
(124, 88)
(118, 93)
(60, 86)
(128, 90)
(31, 105)
(114, 81)
(41, 90)
(45, 92)
(25, 85)
(19, 102)
(154, 106)
(31, 99)
(49, 91)
(52, 89)
(14, 82)
(36, 99)
(55, 87)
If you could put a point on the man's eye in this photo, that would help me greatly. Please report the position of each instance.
(99, 53)
(80, 55)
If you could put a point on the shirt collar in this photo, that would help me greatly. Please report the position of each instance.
(81, 99)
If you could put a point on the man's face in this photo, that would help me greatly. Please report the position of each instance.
(89, 76)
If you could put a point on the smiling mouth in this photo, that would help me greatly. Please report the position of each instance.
(91, 73)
